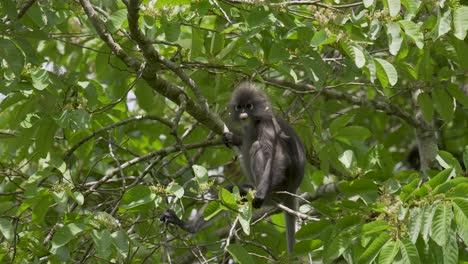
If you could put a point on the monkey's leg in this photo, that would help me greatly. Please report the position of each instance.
(261, 172)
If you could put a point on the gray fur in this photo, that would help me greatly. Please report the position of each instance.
(273, 156)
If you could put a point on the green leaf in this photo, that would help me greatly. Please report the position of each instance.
(136, 196)
(7, 230)
(40, 208)
(12, 55)
(451, 250)
(355, 53)
(443, 103)
(367, 3)
(411, 7)
(371, 251)
(116, 20)
(388, 253)
(415, 224)
(465, 156)
(347, 159)
(409, 252)
(441, 224)
(176, 189)
(228, 199)
(458, 94)
(65, 234)
(40, 79)
(314, 67)
(212, 209)
(354, 133)
(239, 254)
(393, 7)
(312, 230)
(426, 105)
(233, 45)
(245, 216)
(374, 227)
(320, 38)
(201, 174)
(460, 210)
(435, 181)
(386, 73)
(277, 53)
(413, 32)
(121, 242)
(447, 160)
(427, 213)
(145, 96)
(394, 37)
(337, 246)
(339, 122)
(306, 247)
(460, 22)
(169, 3)
(443, 24)
(103, 241)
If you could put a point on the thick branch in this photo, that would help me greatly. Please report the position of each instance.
(161, 86)
(150, 53)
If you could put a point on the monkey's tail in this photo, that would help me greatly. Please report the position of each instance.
(290, 221)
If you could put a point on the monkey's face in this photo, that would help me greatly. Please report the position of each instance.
(249, 104)
(250, 111)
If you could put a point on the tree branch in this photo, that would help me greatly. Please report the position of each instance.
(361, 101)
(165, 122)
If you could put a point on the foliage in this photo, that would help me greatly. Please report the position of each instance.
(111, 112)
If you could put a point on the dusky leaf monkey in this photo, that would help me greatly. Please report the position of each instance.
(272, 155)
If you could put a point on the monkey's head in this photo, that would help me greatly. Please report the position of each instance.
(249, 103)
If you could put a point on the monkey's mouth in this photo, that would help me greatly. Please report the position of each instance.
(243, 116)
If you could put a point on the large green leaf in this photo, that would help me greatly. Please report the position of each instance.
(386, 73)
(426, 105)
(355, 53)
(440, 230)
(239, 254)
(7, 229)
(12, 55)
(393, 7)
(443, 103)
(409, 252)
(413, 32)
(460, 22)
(372, 251)
(394, 37)
(388, 252)
(137, 196)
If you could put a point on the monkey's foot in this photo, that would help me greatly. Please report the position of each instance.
(169, 216)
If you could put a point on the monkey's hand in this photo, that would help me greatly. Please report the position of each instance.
(228, 138)
(259, 198)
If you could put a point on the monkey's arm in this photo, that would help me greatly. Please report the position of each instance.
(230, 138)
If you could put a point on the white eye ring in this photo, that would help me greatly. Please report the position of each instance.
(237, 107)
(249, 106)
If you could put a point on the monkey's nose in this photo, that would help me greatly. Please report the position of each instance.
(243, 116)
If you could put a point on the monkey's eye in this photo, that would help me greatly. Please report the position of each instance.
(249, 106)
(237, 107)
